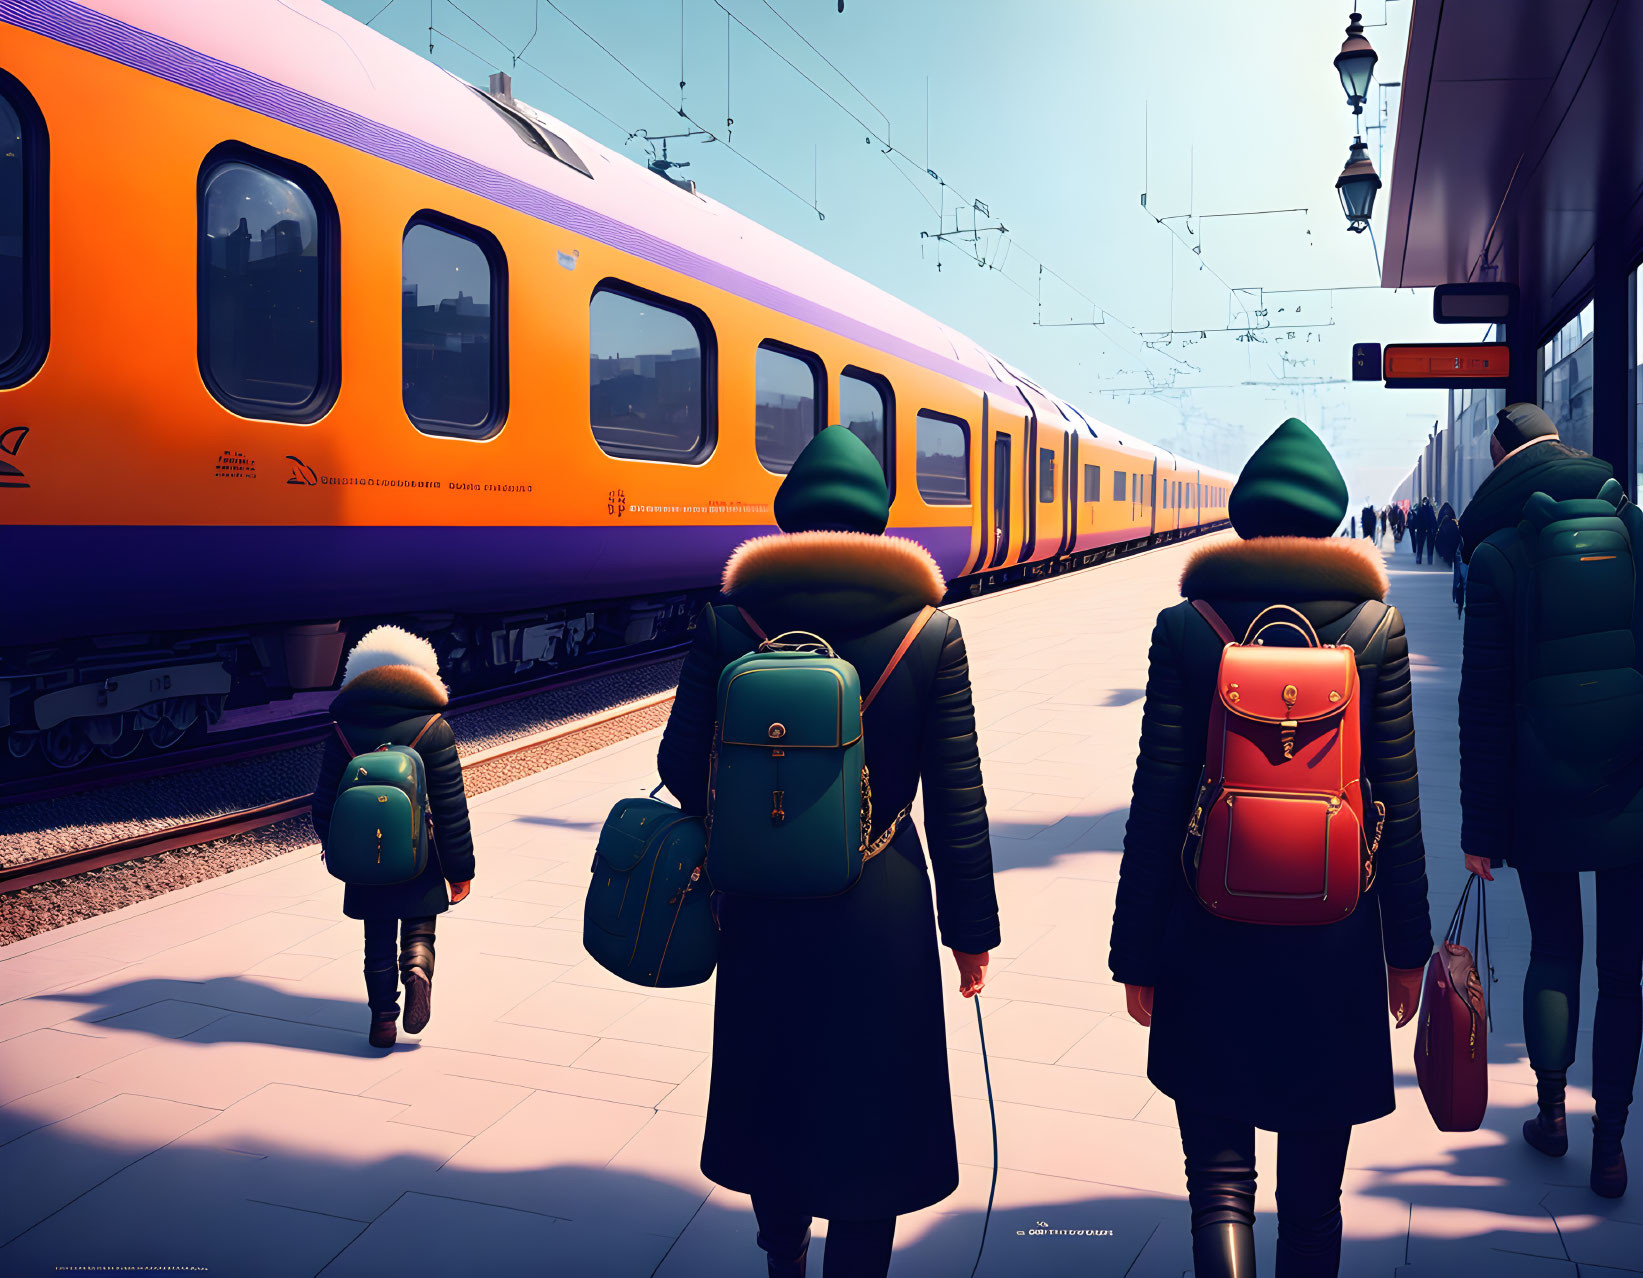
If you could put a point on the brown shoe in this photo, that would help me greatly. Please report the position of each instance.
(383, 1032)
(419, 1000)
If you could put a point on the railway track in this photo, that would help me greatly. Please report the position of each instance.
(209, 829)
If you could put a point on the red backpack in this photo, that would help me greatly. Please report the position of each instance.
(1278, 832)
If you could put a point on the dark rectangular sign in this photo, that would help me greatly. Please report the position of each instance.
(1474, 303)
(1446, 364)
(1366, 361)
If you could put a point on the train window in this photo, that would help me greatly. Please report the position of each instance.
(268, 286)
(649, 369)
(866, 408)
(452, 359)
(23, 225)
(943, 460)
(1046, 474)
(787, 404)
(1092, 483)
(1120, 480)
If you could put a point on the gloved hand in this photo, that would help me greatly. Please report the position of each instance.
(460, 890)
(1403, 992)
(972, 971)
(1138, 1000)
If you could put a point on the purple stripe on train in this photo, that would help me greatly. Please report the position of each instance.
(107, 37)
(65, 582)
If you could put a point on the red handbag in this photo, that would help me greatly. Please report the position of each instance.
(1452, 1044)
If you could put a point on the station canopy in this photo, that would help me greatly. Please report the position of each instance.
(1520, 135)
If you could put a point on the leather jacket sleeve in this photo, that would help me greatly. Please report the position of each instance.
(687, 741)
(955, 807)
(1389, 762)
(448, 801)
(1166, 776)
(1486, 721)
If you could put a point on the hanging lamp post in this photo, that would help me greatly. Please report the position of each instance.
(1356, 64)
(1357, 185)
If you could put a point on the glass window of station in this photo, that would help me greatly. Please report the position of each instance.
(943, 460)
(786, 405)
(1046, 474)
(1472, 418)
(864, 409)
(646, 377)
(451, 329)
(1566, 380)
(267, 332)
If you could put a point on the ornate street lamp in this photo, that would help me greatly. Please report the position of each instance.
(1357, 185)
(1356, 64)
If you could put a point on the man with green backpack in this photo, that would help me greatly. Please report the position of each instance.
(816, 701)
(1551, 752)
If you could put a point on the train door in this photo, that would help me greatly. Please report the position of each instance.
(1069, 497)
(1000, 516)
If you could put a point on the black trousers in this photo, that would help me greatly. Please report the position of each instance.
(391, 947)
(1551, 989)
(1220, 1157)
(855, 1248)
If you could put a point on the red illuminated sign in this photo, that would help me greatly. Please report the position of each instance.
(1447, 364)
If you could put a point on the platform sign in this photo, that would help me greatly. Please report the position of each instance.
(1442, 365)
(1366, 361)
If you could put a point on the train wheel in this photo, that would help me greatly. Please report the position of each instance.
(113, 735)
(65, 746)
(176, 716)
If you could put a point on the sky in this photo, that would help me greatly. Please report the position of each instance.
(1056, 115)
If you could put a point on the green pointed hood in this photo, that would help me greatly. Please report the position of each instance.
(835, 485)
(1290, 487)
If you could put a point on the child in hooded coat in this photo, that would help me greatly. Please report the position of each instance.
(391, 693)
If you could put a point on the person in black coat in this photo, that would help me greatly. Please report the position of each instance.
(1509, 816)
(1447, 538)
(1400, 521)
(830, 1094)
(1281, 1028)
(1368, 524)
(1423, 527)
(392, 695)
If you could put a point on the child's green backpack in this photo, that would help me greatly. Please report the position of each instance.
(379, 822)
(790, 805)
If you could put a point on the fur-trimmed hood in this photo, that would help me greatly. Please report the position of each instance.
(394, 665)
(850, 581)
(1287, 569)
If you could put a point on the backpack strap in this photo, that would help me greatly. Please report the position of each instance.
(1214, 618)
(432, 719)
(913, 632)
(755, 627)
(348, 750)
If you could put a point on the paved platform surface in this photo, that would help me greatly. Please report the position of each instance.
(186, 1082)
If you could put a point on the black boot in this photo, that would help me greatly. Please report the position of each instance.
(1608, 1156)
(1222, 1251)
(1548, 1130)
(382, 992)
(787, 1266)
(416, 968)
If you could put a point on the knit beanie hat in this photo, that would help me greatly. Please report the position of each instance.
(1519, 423)
(1290, 487)
(836, 485)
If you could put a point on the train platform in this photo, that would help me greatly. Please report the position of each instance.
(185, 1083)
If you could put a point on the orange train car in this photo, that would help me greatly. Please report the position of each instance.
(346, 339)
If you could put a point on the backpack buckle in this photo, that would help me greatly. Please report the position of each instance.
(1287, 735)
(777, 816)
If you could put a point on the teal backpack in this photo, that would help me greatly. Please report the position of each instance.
(648, 917)
(790, 805)
(1579, 645)
(379, 822)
